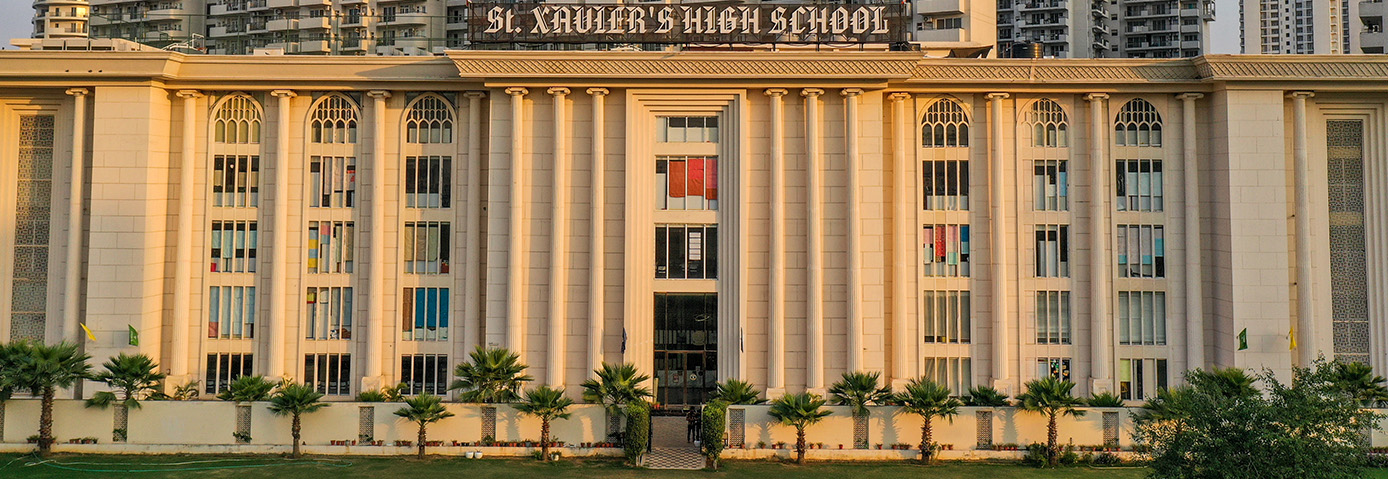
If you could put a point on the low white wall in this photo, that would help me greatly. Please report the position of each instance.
(889, 425)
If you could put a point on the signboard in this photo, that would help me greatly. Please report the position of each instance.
(674, 23)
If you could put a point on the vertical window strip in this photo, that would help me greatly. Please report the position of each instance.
(1053, 317)
(1052, 251)
(1138, 185)
(686, 182)
(686, 252)
(1048, 124)
(945, 125)
(947, 317)
(428, 181)
(222, 369)
(32, 220)
(1142, 318)
(1050, 185)
(330, 311)
(1058, 368)
(331, 247)
(330, 374)
(233, 246)
(687, 129)
(235, 181)
(945, 184)
(1139, 379)
(953, 373)
(424, 314)
(424, 373)
(332, 181)
(427, 247)
(945, 250)
(231, 312)
(1141, 251)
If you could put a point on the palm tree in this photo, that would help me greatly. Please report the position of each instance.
(422, 410)
(248, 389)
(1165, 406)
(12, 358)
(984, 396)
(296, 400)
(1359, 382)
(547, 404)
(734, 391)
(493, 376)
(1232, 382)
(1051, 397)
(856, 390)
(800, 411)
(615, 386)
(132, 376)
(43, 372)
(1104, 400)
(927, 399)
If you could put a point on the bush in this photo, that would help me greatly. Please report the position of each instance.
(1069, 456)
(638, 431)
(1036, 455)
(711, 440)
(1106, 459)
(1105, 400)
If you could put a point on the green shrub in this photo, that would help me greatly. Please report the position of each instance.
(1106, 459)
(715, 422)
(1069, 456)
(1036, 455)
(638, 431)
(1105, 400)
(371, 396)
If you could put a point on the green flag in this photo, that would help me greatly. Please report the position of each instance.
(1243, 339)
(134, 336)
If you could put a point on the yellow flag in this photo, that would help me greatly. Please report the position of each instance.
(1291, 333)
(88, 330)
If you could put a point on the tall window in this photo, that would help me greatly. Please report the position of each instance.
(1048, 124)
(686, 251)
(1058, 368)
(424, 314)
(234, 245)
(222, 369)
(236, 181)
(329, 313)
(331, 246)
(332, 181)
(424, 373)
(329, 374)
(1052, 317)
(334, 120)
(1141, 251)
(237, 120)
(946, 316)
(945, 184)
(945, 250)
(945, 125)
(687, 129)
(426, 246)
(231, 312)
(1050, 185)
(954, 373)
(686, 183)
(1142, 318)
(428, 181)
(430, 121)
(1138, 124)
(1140, 379)
(1349, 286)
(33, 214)
(1052, 251)
(1139, 185)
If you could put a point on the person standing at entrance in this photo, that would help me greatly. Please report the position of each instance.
(691, 417)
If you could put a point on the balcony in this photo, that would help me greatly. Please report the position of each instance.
(941, 35)
(282, 24)
(217, 31)
(312, 23)
(257, 5)
(1373, 40)
(456, 23)
(1099, 10)
(1190, 12)
(280, 4)
(166, 14)
(940, 7)
(412, 18)
(1101, 44)
(1193, 44)
(1045, 22)
(1041, 6)
(1190, 28)
(219, 9)
(1371, 10)
(355, 45)
(314, 46)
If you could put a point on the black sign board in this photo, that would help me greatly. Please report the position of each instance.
(694, 23)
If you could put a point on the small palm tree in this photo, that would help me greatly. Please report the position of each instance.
(927, 399)
(423, 410)
(1164, 407)
(248, 389)
(547, 404)
(984, 396)
(615, 386)
(1051, 397)
(799, 411)
(12, 358)
(296, 400)
(857, 390)
(1359, 382)
(132, 376)
(492, 376)
(1233, 382)
(1105, 400)
(45, 370)
(734, 391)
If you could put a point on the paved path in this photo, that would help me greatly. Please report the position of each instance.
(670, 448)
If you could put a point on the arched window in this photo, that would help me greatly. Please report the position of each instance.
(430, 120)
(945, 125)
(237, 120)
(334, 120)
(1048, 124)
(1138, 124)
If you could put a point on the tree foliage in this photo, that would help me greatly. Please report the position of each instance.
(638, 431)
(711, 437)
(44, 369)
(799, 411)
(423, 410)
(1213, 428)
(616, 385)
(248, 389)
(927, 399)
(984, 396)
(1359, 382)
(493, 375)
(1051, 397)
(859, 389)
(736, 391)
(1104, 400)
(295, 400)
(133, 376)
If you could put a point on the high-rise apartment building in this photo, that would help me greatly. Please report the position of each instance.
(156, 22)
(60, 18)
(1107, 28)
(1297, 26)
(1370, 37)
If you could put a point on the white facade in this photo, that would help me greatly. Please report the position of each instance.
(60, 18)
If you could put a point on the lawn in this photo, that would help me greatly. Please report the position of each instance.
(154, 467)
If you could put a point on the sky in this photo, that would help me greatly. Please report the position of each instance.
(16, 20)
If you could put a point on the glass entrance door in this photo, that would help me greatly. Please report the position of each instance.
(686, 347)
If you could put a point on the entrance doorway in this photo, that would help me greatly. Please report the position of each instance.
(686, 347)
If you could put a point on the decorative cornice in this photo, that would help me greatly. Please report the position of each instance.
(1050, 71)
(1301, 67)
(750, 65)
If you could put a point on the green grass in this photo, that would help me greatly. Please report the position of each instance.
(181, 467)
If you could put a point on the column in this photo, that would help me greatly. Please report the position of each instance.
(515, 258)
(776, 308)
(279, 251)
(559, 242)
(997, 244)
(814, 301)
(1195, 311)
(903, 257)
(1100, 378)
(855, 229)
(472, 273)
(72, 277)
(183, 248)
(376, 283)
(597, 280)
(1306, 334)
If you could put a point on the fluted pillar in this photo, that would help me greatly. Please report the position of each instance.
(903, 264)
(472, 272)
(997, 244)
(1100, 377)
(376, 283)
(1306, 334)
(515, 257)
(559, 243)
(855, 229)
(72, 276)
(1195, 297)
(183, 246)
(597, 280)
(776, 297)
(814, 294)
(279, 253)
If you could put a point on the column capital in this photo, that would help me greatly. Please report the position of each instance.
(1190, 96)
(517, 91)
(899, 96)
(811, 92)
(188, 94)
(775, 92)
(598, 91)
(1096, 96)
(997, 95)
(475, 94)
(557, 90)
(378, 94)
(851, 92)
(283, 93)
(1301, 95)
(77, 91)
